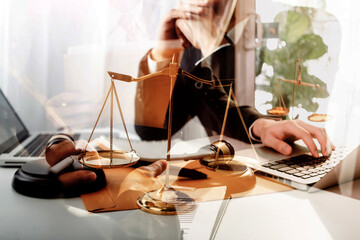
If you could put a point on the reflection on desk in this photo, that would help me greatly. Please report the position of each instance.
(301, 215)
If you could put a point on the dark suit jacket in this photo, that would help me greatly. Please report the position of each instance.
(208, 103)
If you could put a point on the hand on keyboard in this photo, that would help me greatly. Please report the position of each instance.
(277, 134)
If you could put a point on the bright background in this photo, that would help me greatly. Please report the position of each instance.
(54, 56)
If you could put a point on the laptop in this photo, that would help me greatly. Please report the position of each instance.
(303, 171)
(17, 144)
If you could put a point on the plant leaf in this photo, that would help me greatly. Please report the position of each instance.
(292, 25)
(310, 46)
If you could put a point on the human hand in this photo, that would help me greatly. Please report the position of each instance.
(142, 179)
(144, 176)
(205, 30)
(277, 135)
(168, 32)
(57, 152)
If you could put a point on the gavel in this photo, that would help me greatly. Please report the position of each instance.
(219, 151)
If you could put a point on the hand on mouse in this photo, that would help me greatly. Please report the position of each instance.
(64, 147)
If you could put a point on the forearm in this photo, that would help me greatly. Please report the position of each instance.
(153, 94)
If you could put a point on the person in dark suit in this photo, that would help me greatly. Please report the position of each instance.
(208, 103)
(192, 98)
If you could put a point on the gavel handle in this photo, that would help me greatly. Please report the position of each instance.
(66, 162)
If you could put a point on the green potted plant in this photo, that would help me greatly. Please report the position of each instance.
(296, 40)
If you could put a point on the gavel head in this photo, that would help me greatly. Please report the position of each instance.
(223, 150)
(222, 159)
(59, 147)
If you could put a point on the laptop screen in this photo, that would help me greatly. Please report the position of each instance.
(12, 130)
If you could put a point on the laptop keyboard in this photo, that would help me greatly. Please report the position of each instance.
(37, 146)
(306, 166)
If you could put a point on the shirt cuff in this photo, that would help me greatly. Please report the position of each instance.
(251, 133)
(155, 66)
(252, 125)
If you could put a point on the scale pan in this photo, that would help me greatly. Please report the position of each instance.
(278, 111)
(102, 159)
(319, 117)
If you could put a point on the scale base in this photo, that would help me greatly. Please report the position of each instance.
(225, 165)
(34, 179)
(166, 201)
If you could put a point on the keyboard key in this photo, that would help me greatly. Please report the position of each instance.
(298, 174)
(292, 171)
(305, 177)
(268, 165)
(284, 169)
(276, 167)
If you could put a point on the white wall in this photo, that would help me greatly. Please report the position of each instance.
(54, 55)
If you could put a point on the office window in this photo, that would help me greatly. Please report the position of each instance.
(324, 34)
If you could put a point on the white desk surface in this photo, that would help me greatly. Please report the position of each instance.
(286, 215)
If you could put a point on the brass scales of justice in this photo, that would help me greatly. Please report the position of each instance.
(166, 200)
(282, 110)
